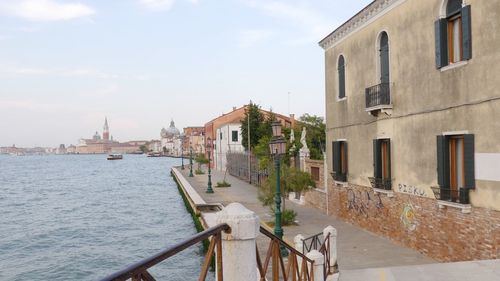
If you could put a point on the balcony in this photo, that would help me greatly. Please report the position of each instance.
(453, 198)
(383, 184)
(339, 177)
(378, 98)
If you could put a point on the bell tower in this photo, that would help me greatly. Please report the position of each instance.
(105, 132)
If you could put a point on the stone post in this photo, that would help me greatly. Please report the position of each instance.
(238, 248)
(298, 242)
(333, 243)
(319, 261)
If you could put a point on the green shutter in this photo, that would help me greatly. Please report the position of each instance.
(377, 160)
(389, 157)
(443, 167)
(470, 181)
(441, 43)
(336, 157)
(466, 33)
(345, 158)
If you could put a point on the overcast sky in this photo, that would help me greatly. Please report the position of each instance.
(66, 64)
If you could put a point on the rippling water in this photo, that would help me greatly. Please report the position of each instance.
(81, 217)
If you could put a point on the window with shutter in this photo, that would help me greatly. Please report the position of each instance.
(382, 164)
(453, 34)
(340, 161)
(455, 167)
(341, 69)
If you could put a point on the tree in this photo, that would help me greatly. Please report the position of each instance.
(253, 120)
(143, 148)
(201, 159)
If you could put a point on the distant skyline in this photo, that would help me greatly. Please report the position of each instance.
(66, 65)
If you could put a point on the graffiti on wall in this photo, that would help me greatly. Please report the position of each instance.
(413, 190)
(363, 202)
(408, 217)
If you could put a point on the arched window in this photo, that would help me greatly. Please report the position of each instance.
(384, 58)
(341, 69)
(453, 33)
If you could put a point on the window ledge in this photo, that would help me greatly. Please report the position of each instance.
(454, 65)
(342, 99)
(466, 208)
(317, 189)
(340, 183)
(389, 193)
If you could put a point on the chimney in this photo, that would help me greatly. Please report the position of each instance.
(234, 108)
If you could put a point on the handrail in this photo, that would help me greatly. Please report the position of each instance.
(141, 267)
(282, 242)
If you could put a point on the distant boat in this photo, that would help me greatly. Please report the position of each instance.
(155, 154)
(115, 157)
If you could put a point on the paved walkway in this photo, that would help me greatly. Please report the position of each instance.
(357, 248)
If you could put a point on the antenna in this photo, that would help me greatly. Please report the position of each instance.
(288, 103)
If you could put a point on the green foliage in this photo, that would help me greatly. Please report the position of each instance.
(258, 123)
(164, 150)
(143, 148)
(222, 184)
(316, 134)
(199, 172)
(288, 217)
(201, 159)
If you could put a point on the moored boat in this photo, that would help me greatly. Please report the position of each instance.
(115, 157)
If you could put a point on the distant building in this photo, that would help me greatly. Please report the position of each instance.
(194, 140)
(225, 133)
(171, 140)
(98, 145)
(61, 149)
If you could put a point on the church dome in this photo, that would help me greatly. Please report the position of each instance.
(171, 131)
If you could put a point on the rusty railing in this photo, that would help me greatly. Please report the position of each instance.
(323, 246)
(139, 271)
(292, 271)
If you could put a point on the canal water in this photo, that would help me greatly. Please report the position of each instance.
(82, 217)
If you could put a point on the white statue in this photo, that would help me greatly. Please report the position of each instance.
(303, 138)
(292, 136)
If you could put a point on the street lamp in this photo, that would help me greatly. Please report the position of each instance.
(209, 151)
(277, 145)
(190, 161)
(182, 152)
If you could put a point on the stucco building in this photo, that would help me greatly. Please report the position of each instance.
(412, 110)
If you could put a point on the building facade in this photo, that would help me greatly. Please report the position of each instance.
(227, 139)
(412, 110)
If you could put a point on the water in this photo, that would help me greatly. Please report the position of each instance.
(82, 217)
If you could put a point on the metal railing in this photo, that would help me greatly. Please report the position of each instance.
(378, 95)
(323, 246)
(385, 184)
(339, 176)
(460, 195)
(292, 271)
(139, 271)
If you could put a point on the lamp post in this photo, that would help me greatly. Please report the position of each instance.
(190, 161)
(277, 145)
(182, 152)
(209, 151)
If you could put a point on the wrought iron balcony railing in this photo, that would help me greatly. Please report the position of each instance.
(378, 96)
(339, 176)
(460, 195)
(385, 184)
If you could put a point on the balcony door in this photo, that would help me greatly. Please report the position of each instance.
(384, 58)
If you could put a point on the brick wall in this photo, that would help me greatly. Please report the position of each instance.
(319, 165)
(444, 234)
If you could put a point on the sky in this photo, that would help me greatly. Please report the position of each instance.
(67, 64)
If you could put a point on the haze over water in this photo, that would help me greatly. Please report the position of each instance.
(82, 217)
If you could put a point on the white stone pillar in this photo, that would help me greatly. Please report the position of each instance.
(238, 248)
(333, 243)
(319, 261)
(298, 242)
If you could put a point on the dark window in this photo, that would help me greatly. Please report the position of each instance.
(453, 34)
(315, 173)
(455, 161)
(220, 135)
(384, 58)
(234, 136)
(382, 164)
(340, 161)
(341, 69)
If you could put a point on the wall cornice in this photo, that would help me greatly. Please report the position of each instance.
(366, 16)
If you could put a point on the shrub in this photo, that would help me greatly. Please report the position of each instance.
(222, 184)
(199, 172)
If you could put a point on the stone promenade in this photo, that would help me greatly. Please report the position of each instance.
(357, 248)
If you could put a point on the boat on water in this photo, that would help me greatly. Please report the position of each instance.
(115, 157)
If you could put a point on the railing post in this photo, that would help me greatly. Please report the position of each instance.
(318, 265)
(238, 247)
(298, 241)
(333, 244)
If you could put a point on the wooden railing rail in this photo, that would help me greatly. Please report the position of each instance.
(293, 270)
(139, 271)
